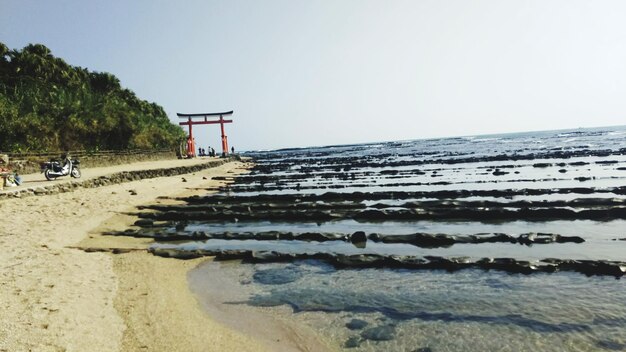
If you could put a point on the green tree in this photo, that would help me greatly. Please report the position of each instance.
(48, 105)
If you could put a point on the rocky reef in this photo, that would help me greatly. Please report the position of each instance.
(357, 192)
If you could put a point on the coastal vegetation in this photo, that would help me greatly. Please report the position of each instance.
(47, 104)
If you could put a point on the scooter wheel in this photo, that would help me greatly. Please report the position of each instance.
(76, 172)
(48, 176)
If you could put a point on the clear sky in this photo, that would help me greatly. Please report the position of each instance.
(318, 72)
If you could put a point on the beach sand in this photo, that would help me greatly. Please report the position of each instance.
(54, 296)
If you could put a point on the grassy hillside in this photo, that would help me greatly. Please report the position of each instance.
(49, 105)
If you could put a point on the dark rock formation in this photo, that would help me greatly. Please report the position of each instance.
(379, 333)
(277, 276)
(356, 324)
(144, 223)
(352, 342)
(358, 237)
(587, 267)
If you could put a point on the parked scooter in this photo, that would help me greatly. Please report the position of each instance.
(55, 168)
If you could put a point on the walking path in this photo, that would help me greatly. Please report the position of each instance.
(34, 181)
(36, 184)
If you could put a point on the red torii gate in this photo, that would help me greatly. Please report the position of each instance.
(191, 144)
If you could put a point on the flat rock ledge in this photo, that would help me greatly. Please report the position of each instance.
(510, 265)
(424, 240)
(115, 178)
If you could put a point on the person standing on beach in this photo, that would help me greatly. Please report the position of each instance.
(232, 150)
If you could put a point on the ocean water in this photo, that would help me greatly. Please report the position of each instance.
(565, 183)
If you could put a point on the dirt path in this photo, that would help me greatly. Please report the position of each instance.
(38, 179)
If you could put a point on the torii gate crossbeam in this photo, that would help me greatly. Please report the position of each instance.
(191, 147)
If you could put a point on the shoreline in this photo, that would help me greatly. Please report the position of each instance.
(56, 296)
(223, 295)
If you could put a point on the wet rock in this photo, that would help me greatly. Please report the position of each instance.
(376, 237)
(174, 236)
(356, 324)
(231, 254)
(409, 262)
(286, 236)
(362, 196)
(611, 345)
(174, 253)
(498, 237)
(428, 240)
(359, 260)
(278, 276)
(606, 162)
(527, 239)
(511, 265)
(352, 342)
(371, 215)
(602, 267)
(568, 239)
(311, 236)
(461, 260)
(270, 236)
(144, 222)
(358, 237)
(449, 264)
(379, 333)
(420, 239)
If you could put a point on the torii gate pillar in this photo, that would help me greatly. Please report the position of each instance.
(224, 137)
(191, 142)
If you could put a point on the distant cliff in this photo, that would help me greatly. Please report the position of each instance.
(49, 105)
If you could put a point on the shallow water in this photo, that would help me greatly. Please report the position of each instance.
(470, 310)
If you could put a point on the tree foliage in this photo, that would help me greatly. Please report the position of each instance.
(49, 105)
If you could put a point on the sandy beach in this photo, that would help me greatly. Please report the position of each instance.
(56, 296)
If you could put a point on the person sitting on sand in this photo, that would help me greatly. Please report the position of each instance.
(12, 180)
